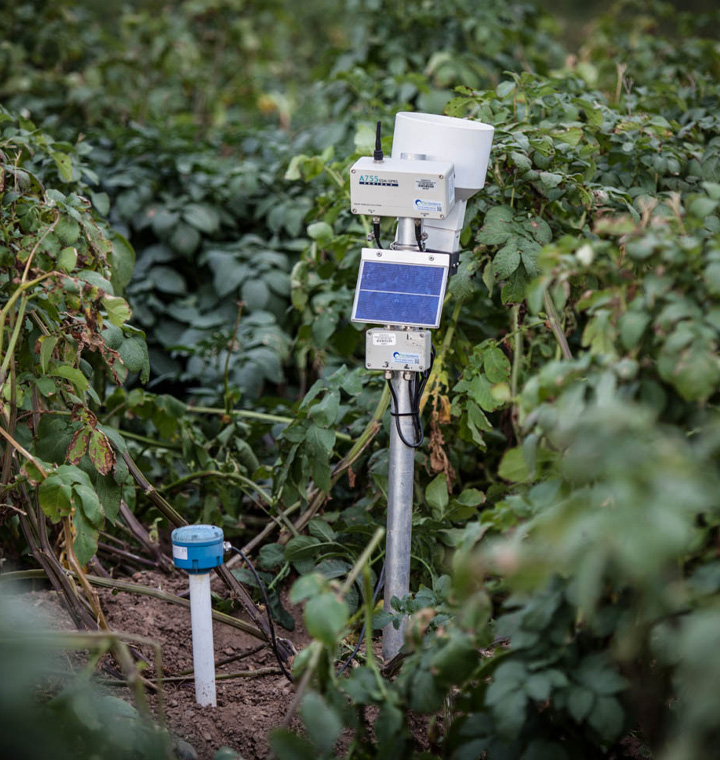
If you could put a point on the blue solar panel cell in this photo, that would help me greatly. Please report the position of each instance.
(399, 293)
(402, 278)
(397, 308)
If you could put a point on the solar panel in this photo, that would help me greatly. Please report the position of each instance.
(400, 288)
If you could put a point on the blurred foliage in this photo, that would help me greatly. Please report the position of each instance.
(65, 330)
(564, 538)
(77, 718)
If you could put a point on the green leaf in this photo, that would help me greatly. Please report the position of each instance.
(75, 376)
(320, 529)
(289, 746)
(497, 227)
(510, 714)
(64, 165)
(326, 411)
(96, 280)
(301, 547)
(255, 294)
(134, 355)
(55, 496)
(362, 687)
(86, 538)
(167, 280)
(271, 556)
(46, 386)
(520, 160)
(326, 617)
(101, 201)
(538, 686)
(452, 663)
(632, 327)
(509, 677)
(426, 696)
(185, 240)
(323, 327)
(471, 497)
(436, 493)
(515, 289)
(67, 259)
(322, 722)
(607, 718)
(109, 492)
(480, 391)
(390, 730)
(505, 88)
(307, 586)
(695, 371)
(712, 278)
(596, 672)
(47, 346)
(123, 261)
(496, 364)
(580, 702)
(90, 505)
(202, 217)
(320, 231)
(513, 466)
(507, 260)
(117, 309)
(571, 136)
(320, 443)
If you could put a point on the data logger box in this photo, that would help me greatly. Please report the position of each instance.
(401, 187)
(397, 350)
(400, 288)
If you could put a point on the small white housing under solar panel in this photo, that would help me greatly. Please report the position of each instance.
(400, 287)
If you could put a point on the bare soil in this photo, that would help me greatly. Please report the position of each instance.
(248, 707)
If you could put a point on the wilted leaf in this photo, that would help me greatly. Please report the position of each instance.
(101, 452)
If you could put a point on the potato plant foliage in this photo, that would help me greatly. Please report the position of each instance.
(565, 573)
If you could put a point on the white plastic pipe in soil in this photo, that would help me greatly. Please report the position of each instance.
(202, 639)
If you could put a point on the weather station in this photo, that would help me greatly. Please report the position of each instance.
(437, 164)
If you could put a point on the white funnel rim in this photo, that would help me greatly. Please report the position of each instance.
(446, 121)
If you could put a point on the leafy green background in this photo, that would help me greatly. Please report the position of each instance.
(177, 176)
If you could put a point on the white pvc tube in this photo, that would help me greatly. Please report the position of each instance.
(202, 639)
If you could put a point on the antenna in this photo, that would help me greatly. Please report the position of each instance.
(378, 154)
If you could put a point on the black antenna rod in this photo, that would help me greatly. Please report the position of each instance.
(378, 154)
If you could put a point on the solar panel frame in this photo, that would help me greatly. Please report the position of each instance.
(425, 276)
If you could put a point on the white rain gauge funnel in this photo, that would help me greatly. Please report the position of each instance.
(198, 549)
(465, 144)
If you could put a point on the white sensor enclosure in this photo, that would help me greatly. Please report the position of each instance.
(402, 188)
(398, 350)
(466, 144)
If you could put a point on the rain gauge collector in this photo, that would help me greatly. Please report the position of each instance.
(437, 164)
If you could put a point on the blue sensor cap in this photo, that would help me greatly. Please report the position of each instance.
(197, 548)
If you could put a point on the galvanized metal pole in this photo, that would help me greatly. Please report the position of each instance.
(399, 516)
(400, 486)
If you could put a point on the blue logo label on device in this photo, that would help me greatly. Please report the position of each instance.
(402, 358)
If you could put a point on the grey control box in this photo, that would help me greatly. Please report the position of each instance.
(397, 350)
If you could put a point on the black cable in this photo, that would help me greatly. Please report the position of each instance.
(273, 639)
(418, 235)
(417, 386)
(380, 583)
(376, 234)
